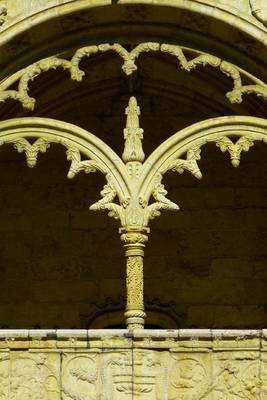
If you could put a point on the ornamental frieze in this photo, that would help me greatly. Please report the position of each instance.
(118, 365)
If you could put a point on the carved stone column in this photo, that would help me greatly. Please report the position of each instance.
(134, 244)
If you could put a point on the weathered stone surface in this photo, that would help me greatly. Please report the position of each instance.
(107, 364)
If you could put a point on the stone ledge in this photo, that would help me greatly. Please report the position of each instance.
(174, 340)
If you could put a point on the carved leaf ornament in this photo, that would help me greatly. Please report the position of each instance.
(134, 192)
(131, 182)
(25, 76)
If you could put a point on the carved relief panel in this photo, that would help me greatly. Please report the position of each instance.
(4, 376)
(113, 370)
(34, 376)
(237, 375)
(131, 374)
(190, 377)
(80, 376)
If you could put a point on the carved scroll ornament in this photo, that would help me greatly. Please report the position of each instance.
(25, 76)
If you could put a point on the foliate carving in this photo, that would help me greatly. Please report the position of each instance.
(235, 96)
(129, 67)
(31, 150)
(3, 15)
(259, 10)
(28, 75)
(36, 69)
(34, 376)
(76, 73)
(131, 237)
(235, 149)
(230, 70)
(106, 203)
(77, 165)
(190, 164)
(237, 377)
(129, 58)
(41, 145)
(203, 59)
(133, 134)
(159, 192)
(162, 203)
(231, 376)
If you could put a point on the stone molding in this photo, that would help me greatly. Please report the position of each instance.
(17, 335)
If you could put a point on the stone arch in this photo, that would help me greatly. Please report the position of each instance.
(189, 141)
(77, 141)
(78, 17)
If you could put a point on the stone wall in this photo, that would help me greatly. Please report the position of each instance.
(116, 365)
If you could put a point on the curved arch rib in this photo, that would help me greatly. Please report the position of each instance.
(98, 155)
(231, 134)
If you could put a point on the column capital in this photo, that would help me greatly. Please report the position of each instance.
(134, 236)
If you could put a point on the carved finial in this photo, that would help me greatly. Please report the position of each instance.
(133, 134)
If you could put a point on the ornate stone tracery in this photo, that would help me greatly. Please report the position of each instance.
(131, 182)
(135, 363)
(25, 76)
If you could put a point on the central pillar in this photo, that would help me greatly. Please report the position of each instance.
(134, 244)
